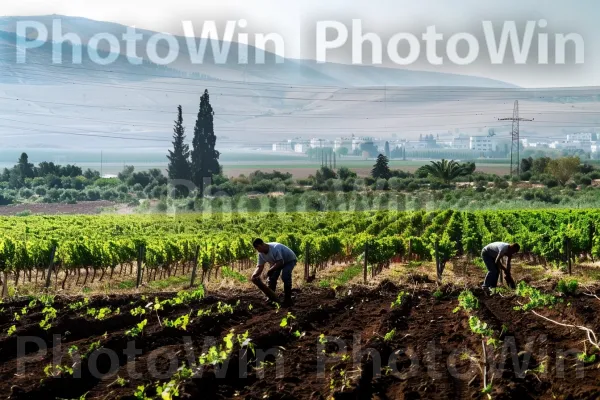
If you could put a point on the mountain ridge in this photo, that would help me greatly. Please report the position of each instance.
(291, 71)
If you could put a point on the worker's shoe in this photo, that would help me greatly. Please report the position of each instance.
(288, 302)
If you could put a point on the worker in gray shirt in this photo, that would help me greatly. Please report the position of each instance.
(282, 261)
(492, 256)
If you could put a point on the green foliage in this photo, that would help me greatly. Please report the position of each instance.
(180, 323)
(79, 304)
(11, 330)
(49, 314)
(137, 311)
(322, 339)
(137, 330)
(54, 371)
(467, 301)
(399, 299)
(479, 327)
(567, 287)
(287, 319)
(586, 358)
(230, 273)
(390, 336)
(217, 355)
(535, 297)
(444, 170)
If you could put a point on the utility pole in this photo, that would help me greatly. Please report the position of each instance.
(515, 162)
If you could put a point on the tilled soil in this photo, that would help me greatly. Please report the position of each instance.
(349, 345)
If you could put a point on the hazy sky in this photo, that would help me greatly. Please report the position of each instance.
(295, 22)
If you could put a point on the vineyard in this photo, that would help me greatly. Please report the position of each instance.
(84, 249)
(411, 339)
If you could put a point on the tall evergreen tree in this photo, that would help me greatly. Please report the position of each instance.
(381, 168)
(205, 159)
(25, 167)
(387, 149)
(179, 164)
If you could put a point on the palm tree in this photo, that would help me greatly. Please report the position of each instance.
(444, 170)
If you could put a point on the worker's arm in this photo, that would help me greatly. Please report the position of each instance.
(275, 267)
(258, 271)
(501, 254)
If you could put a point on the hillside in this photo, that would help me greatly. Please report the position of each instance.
(129, 106)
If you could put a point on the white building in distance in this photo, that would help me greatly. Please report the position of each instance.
(461, 142)
(581, 137)
(316, 143)
(342, 143)
(357, 142)
(301, 147)
(482, 143)
(282, 146)
(586, 146)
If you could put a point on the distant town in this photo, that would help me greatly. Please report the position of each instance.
(489, 145)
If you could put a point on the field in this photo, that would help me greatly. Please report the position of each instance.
(427, 351)
(419, 310)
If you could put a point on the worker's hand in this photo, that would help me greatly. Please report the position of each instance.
(256, 274)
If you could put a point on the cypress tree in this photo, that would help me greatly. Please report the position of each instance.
(179, 164)
(205, 159)
(387, 149)
(381, 168)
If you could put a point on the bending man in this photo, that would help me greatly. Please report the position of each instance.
(282, 261)
(492, 255)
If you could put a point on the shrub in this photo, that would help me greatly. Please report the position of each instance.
(26, 193)
(551, 182)
(412, 186)
(501, 184)
(162, 206)
(110, 194)
(567, 286)
(92, 194)
(525, 176)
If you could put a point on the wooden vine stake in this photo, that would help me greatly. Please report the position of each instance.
(438, 264)
(569, 263)
(195, 266)
(4, 284)
(140, 260)
(50, 266)
(485, 365)
(307, 263)
(366, 266)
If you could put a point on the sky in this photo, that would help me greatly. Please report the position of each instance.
(296, 23)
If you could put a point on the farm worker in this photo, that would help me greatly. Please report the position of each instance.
(492, 255)
(282, 261)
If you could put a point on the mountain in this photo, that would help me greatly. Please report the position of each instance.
(290, 71)
(132, 107)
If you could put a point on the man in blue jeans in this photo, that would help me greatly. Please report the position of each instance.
(492, 255)
(282, 261)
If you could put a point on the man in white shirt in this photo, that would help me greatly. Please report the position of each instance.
(282, 261)
(492, 255)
